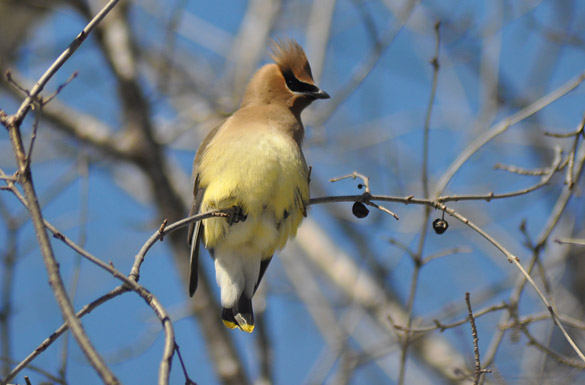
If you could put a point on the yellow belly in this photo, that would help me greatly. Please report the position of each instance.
(266, 175)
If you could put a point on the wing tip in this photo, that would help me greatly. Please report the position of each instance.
(192, 286)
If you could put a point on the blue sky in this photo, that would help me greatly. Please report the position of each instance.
(377, 131)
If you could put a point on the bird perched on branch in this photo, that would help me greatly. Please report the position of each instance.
(253, 164)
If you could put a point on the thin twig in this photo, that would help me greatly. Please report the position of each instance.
(33, 368)
(33, 136)
(528, 319)
(7, 280)
(369, 62)
(63, 328)
(569, 177)
(504, 125)
(55, 279)
(14, 83)
(381, 208)
(477, 371)
(570, 241)
(48, 99)
(418, 255)
(524, 171)
(131, 282)
(431, 103)
(366, 194)
(188, 380)
(543, 237)
(490, 196)
(550, 352)
(444, 253)
(354, 175)
(12, 123)
(58, 63)
(438, 325)
(402, 246)
(82, 171)
(162, 231)
(577, 132)
(318, 34)
(438, 205)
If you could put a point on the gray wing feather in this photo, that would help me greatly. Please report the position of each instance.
(195, 232)
(196, 229)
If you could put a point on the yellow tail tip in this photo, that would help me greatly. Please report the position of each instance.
(247, 328)
(244, 324)
(231, 325)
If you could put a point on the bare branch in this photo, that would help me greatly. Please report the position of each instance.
(63, 328)
(478, 370)
(504, 125)
(44, 79)
(488, 197)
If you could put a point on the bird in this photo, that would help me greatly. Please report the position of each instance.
(253, 165)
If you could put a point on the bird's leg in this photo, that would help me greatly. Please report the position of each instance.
(238, 215)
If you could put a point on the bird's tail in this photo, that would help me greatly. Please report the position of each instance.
(241, 315)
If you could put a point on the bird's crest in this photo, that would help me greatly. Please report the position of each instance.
(290, 57)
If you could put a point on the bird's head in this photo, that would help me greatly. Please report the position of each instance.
(288, 80)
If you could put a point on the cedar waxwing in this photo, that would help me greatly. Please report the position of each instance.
(253, 162)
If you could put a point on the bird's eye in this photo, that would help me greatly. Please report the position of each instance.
(296, 85)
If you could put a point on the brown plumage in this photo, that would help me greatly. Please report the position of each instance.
(289, 56)
(253, 162)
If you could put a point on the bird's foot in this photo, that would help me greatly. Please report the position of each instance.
(238, 215)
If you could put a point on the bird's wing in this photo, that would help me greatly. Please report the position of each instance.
(196, 229)
(263, 266)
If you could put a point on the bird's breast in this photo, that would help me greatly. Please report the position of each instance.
(263, 172)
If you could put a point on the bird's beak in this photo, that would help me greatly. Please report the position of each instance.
(320, 94)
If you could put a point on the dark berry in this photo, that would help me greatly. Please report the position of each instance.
(440, 226)
(360, 210)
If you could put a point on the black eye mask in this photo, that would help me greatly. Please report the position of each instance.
(295, 85)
